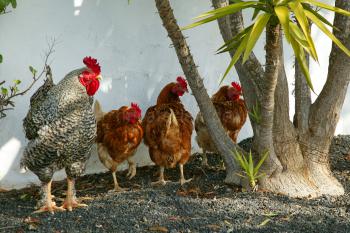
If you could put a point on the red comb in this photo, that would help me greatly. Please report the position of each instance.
(182, 82)
(236, 86)
(136, 107)
(92, 64)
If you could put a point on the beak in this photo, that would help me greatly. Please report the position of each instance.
(99, 77)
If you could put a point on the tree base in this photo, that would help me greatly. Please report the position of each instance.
(306, 183)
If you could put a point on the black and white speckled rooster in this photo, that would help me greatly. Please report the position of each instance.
(61, 129)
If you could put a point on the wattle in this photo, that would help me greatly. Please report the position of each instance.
(92, 87)
(89, 81)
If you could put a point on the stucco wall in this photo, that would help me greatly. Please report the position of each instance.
(135, 54)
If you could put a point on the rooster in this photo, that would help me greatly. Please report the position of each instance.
(232, 113)
(168, 129)
(61, 129)
(119, 133)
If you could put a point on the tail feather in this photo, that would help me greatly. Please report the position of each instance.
(98, 111)
(171, 121)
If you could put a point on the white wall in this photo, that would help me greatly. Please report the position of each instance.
(133, 50)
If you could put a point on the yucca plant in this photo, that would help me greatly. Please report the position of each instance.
(250, 170)
(294, 17)
(255, 113)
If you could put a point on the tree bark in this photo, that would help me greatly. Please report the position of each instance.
(222, 142)
(325, 111)
(302, 99)
(264, 134)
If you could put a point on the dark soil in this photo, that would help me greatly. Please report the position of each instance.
(204, 205)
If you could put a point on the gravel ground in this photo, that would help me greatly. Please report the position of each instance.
(204, 205)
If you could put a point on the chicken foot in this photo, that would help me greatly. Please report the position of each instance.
(117, 188)
(132, 169)
(71, 201)
(205, 161)
(182, 176)
(49, 206)
(161, 180)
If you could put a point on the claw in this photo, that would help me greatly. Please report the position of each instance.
(71, 201)
(118, 189)
(50, 209)
(70, 205)
(160, 182)
(183, 181)
(49, 206)
(132, 170)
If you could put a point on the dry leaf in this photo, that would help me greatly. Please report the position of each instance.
(29, 220)
(173, 218)
(285, 218)
(33, 227)
(158, 229)
(263, 223)
(214, 227)
(347, 157)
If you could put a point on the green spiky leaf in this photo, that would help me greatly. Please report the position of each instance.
(325, 30)
(236, 56)
(327, 7)
(219, 13)
(261, 161)
(255, 33)
(299, 12)
(282, 13)
(300, 56)
(319, 16)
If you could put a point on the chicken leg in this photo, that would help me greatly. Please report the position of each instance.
(161, 180)
(71, 201)
(132, 169)
(50, 205)
(182, 177)
(117, 188)
(205, 159)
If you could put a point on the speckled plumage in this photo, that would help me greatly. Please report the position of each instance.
(62, 129)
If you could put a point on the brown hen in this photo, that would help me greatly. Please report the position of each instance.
(119, 133)
(168, 129)
(232, 113)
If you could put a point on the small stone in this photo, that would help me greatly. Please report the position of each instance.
(342, 212)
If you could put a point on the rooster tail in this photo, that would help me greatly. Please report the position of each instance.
(98, 111)
(172, 121)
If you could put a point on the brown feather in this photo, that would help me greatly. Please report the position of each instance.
(119, 137)
(168, 129)
(232, 114)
